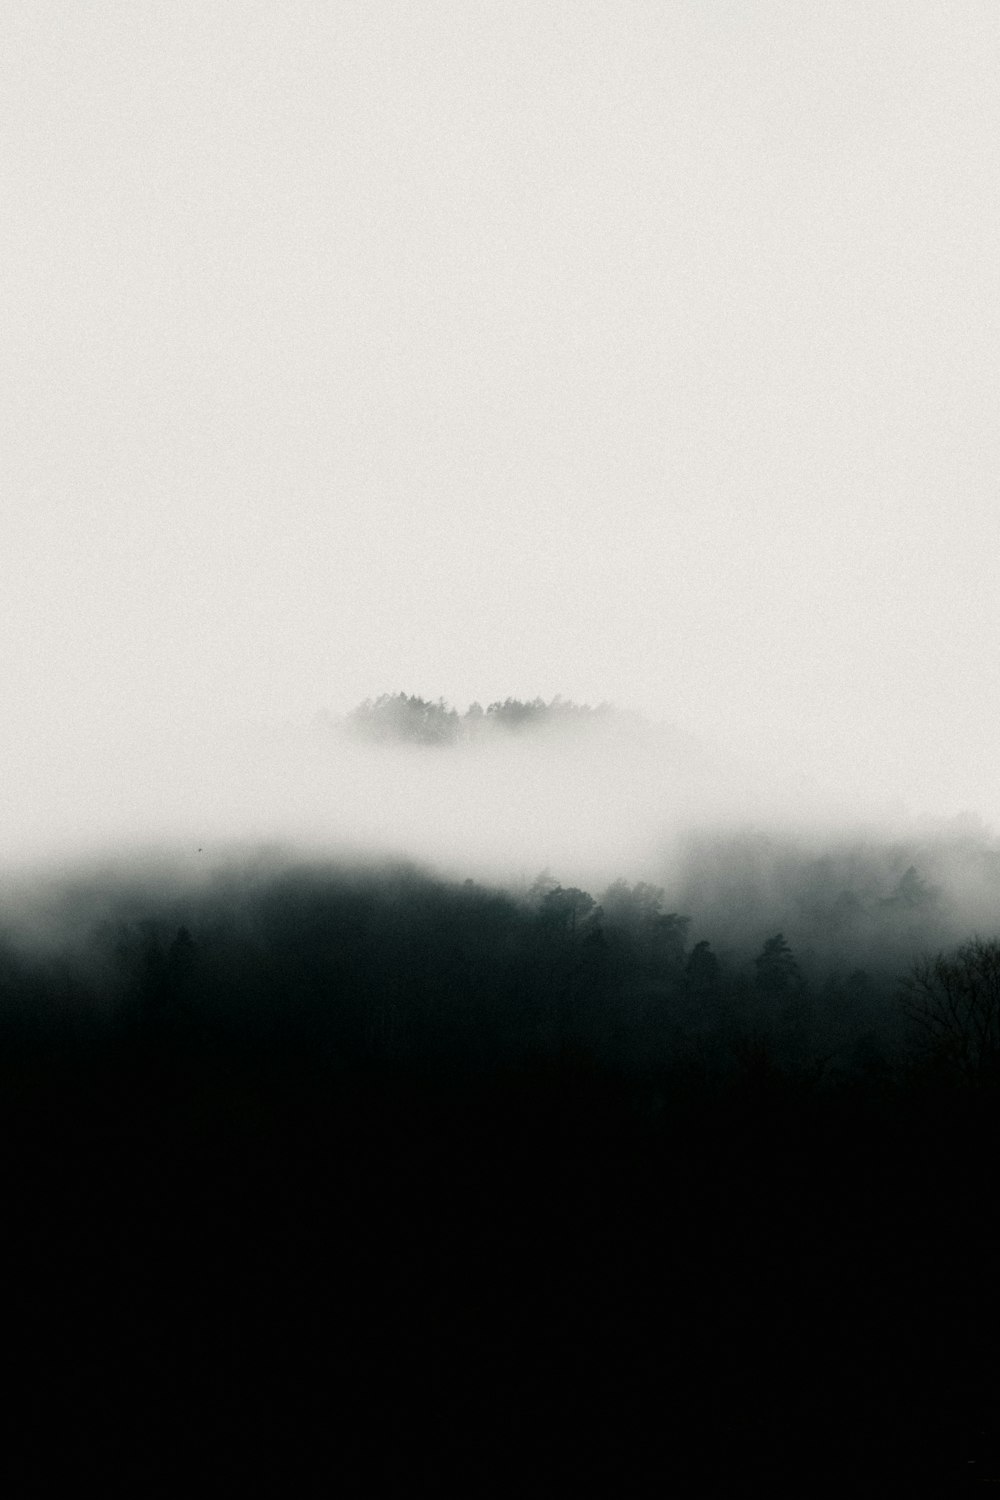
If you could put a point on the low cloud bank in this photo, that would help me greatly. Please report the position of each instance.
(592, 793)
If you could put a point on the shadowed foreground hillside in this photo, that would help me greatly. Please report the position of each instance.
(413, 1181)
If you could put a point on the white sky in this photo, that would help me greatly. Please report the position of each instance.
(634, 351)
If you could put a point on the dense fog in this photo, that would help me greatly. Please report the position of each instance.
(594, 794)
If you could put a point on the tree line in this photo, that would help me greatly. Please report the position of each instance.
(399, 966)
(401, 718)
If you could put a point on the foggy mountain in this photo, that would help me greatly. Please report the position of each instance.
(531, 1093)
(413, 1052)
(586, 796)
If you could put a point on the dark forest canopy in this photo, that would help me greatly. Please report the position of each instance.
(388, 961)
(408, 719)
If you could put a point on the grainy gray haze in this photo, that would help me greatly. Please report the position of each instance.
(624, 351)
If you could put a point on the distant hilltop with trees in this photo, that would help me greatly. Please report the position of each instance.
(400, 718)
